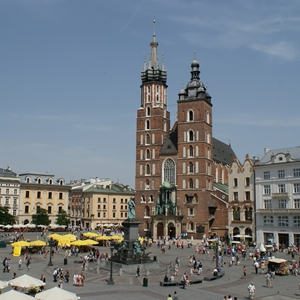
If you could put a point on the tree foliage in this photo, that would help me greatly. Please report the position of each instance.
(41, 217)
(62, 218)
(5, 217)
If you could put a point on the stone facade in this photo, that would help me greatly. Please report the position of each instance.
(10, 191)
(98, 202)
(277, 177)
(42, 191)
(241, 200)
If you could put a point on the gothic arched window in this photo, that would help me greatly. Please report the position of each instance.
(169, 171)
(148, 139)
(191, 151)
(191, 136)
(190, 116)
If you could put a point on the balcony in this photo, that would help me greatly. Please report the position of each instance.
(280, 195)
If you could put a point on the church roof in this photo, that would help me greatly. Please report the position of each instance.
(222, 153)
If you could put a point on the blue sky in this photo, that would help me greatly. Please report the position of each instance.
(70, 77)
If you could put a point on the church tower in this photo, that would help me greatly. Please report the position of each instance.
(152, 128)
(194, 161)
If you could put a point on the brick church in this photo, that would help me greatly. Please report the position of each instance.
(181, 171)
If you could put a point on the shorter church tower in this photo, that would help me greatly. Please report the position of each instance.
(194, 162)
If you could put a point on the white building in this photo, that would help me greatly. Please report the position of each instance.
(10, 191)
(278, 197)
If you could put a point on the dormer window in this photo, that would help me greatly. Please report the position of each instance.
(39, 181)
(61, 182)
(50, 181)
(27, 180)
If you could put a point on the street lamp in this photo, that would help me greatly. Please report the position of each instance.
(110, 280)
(51, 245)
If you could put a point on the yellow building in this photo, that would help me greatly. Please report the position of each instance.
(99, 203)
(42, 191)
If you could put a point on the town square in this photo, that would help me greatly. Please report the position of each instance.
(149, 149)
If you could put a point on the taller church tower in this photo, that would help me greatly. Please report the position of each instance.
(153, 125)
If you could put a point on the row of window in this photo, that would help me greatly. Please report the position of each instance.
(282, 203)
(282, 174)
(237, 214)
(281, 188)
(114, 214)
(7, 202)
(192, 136)
(49, 209)
(48, 180)
(235, 182)
(247, 196)
(39, 194)
(114, 200)
(122, 207)
(282, 221)
(7, 191)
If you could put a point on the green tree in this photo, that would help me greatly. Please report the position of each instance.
(5, 217)
(62, 218)
(41, 217)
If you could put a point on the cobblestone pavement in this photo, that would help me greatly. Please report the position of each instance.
(128, 286)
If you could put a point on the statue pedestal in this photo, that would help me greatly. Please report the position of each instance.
(131, 230)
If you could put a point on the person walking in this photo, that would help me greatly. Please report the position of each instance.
(175, 296)
(20, 264)
(268, 280)
(244, 271)
(138, 271)
(169, 297)
(256, 266)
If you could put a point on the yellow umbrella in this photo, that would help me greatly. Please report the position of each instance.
(70, 237)
(21, 244)
(117, 237)
(55, 236)
(89, 242)
(91, 234)
(38, 243)
(77, 243)
(64, 243)
(103, 238)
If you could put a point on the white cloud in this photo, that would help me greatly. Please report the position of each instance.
(280, 49)
(268, 31)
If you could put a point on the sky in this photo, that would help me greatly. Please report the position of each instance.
(70, 77)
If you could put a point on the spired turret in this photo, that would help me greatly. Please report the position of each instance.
(195, 89)
(153, 71)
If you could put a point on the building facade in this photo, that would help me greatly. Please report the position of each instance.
(10, 191)
(97, 202)
(175, 167)
(241, 200)
(42, 191)
(277, 177)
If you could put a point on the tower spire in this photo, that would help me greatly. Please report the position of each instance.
(154, 45)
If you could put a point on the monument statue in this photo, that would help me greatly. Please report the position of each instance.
(131, 209)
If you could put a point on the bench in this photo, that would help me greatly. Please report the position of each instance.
(170, 283)
(214, 277)
(179, 283)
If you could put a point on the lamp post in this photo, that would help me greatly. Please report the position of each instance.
(110, 280)
(51, 244)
